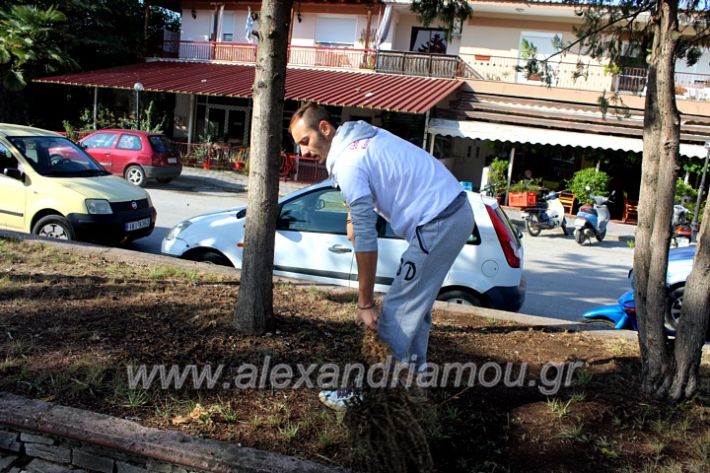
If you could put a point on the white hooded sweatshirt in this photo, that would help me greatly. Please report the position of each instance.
(409, 186)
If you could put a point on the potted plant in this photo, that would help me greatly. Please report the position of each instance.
(523, 193)
(240, 159)
(588, 182)
(497, 180)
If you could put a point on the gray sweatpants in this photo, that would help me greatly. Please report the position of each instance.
(405, 320)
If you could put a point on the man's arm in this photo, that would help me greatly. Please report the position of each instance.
(364, 222)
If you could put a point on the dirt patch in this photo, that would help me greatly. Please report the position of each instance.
(72, 324)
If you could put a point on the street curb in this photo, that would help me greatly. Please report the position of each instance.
(143, 259)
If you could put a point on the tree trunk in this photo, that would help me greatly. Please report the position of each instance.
(659, 173)
(255, 304)
(695, 317)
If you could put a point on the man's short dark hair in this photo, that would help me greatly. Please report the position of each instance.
(312, 115)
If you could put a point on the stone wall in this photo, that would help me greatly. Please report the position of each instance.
(27, 452)
(41, 437)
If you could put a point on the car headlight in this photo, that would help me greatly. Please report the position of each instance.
(177, 229)
(98, 207)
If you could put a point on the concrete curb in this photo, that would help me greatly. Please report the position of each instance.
(131, 438)
(143, 259)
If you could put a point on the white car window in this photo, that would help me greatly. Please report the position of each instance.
(131, 142)
(100, 140)
(322, 211)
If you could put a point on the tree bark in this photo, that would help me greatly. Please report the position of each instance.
(695, 318)
(659, 173)
(255, 303)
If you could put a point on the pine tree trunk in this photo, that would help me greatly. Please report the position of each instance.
(659, 173)
(695, 317)
(255, 304)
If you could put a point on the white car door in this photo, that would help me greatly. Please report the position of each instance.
(311, 242)
(389, 252)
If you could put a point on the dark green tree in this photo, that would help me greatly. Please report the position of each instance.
(612, 31)
(74, 35)
(28, 46)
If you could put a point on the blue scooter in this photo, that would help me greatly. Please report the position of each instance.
(591, 221)
(621, 316)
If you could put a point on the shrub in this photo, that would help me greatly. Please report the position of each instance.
(497, 176)
(525, 185)
(686, 196)
(597, 182)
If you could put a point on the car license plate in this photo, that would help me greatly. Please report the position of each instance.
(580, 222)
(138, 224)
(172, 160)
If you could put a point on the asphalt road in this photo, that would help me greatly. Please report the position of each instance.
(563, 278)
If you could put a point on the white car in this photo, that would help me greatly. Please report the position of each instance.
(311, 244)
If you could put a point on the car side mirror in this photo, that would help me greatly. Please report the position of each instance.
(14, 173)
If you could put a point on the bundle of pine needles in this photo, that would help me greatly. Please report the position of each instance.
(386, 426)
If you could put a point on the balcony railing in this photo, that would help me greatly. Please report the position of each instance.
(432, 65)
(565, 74)
(422, 64)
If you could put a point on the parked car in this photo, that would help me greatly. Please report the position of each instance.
(311, 243)
(135, 155)
(622, 315)
(50, 187)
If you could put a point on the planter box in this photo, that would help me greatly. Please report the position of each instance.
(522, 199)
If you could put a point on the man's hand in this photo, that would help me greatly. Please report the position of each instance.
(369, 317)
(350, 232)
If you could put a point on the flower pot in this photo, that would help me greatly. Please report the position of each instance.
(522, 199)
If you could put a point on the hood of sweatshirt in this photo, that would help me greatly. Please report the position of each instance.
(346, 134)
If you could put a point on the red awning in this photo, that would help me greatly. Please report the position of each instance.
(391, 92)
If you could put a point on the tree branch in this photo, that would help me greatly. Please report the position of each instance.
(631, 18)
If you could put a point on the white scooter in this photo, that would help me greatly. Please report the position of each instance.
(592, 221)
(548, 214)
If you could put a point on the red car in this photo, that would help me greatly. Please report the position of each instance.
(135, 155)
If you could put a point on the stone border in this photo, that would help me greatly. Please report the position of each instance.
(97, 442)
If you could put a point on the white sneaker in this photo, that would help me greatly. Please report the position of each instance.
(339, 399)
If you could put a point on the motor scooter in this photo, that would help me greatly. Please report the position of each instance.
(622, 315)
(546, 215)
(591, 221)
(682, 230)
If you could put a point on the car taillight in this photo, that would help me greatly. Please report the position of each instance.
(507, 241)
(630, 308)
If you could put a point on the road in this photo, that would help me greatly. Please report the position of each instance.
(563, 278)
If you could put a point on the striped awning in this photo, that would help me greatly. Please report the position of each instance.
(372, 90)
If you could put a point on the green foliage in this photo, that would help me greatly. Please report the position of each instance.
(525, 185)
(28, 44)
(72, 133)
(107, 118)
(684, 193)
(446, 11)
(598, 183)
(686, 196)
(147, 122)
(497, 176)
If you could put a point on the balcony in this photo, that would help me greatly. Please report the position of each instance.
(566, 74)
(594, 78)
(396, 62)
